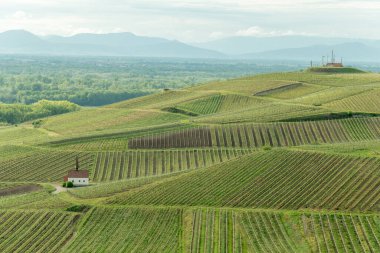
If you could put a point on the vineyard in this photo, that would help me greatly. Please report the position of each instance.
(259, 135)
(365, 102)
(161, 100)
(134, 164)
(43, 166)
(280, 162)
(342, 233)
(330, 95)
(109, 166)
(233, 231)
(114, 141)
(107, 120)
(42, 231)
(292, 91)
(245, 85)
(198, 137)
(293, 180)
(221, 103)
(133, 227)
(264, 113)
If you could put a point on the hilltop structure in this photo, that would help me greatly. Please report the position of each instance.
(77, 177)
(333, 63)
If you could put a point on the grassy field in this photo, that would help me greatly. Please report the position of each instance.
(280, 162)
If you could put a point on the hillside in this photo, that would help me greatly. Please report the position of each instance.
(280, 162)
(343, 70)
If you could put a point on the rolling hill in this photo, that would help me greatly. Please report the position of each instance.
(280, 162)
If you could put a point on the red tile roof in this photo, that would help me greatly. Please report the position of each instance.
(78, 174)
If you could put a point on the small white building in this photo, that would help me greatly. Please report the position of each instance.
(78, 177)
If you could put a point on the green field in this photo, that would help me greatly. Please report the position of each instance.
(281, 162)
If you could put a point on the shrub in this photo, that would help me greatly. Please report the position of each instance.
(78, 208)
(37, 123)
(18, 113)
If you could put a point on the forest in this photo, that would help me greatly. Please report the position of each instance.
(97, 81)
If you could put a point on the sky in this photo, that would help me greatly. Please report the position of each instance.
(194, 20)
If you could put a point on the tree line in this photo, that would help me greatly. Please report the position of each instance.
(18, 113)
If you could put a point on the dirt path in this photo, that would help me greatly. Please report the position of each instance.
(59, 188)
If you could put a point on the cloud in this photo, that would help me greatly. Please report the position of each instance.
(20, 15)
(260, 32)
(194, 20)
(252, 31)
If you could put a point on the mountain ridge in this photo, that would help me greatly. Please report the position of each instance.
(115, 44)
(126, 44)
(354, 51)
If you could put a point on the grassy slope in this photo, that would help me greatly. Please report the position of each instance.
(332, 70)
(227, 101)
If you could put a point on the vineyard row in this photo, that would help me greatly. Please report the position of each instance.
(134, 164)
(277, 179)
(42, 231)
(43, 166)
(259, 135)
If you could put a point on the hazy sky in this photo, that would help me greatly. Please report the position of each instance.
(194, 20)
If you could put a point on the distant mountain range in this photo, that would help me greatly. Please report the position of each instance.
(303, 48)
(248, 45)
(114, 44)
(350, 52)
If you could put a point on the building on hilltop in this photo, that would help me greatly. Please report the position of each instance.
(77, 177)
(333, 63)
